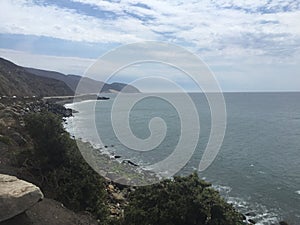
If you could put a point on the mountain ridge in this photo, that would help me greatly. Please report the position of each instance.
(87, 85)
(16, 81)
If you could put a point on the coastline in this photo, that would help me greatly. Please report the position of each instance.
(112, 167)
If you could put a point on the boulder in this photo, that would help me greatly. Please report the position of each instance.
(16, 196)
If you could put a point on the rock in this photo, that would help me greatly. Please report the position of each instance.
(18, 220)
(111, 187)
(68, 112)
(244, 217)
(283, 223)
(113, 211)
(252, 214)
(118, 196)
(129, 162)
(251, 221)
(16, 196)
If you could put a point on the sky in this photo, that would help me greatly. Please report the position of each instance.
(249, 45)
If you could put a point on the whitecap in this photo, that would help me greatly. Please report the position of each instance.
(257, 212)
(297, 192)
(261, 172)
(222, 189)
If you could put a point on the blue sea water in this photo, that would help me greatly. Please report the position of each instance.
(258, 166)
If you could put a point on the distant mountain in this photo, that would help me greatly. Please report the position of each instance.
(87, 85)
(15, 80)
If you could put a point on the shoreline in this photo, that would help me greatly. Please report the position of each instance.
(112, 167)
(114, 170)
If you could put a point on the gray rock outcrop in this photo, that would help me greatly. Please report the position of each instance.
(16, 196)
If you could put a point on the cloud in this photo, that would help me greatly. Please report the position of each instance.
(235, 35)
(207, 26)
(218, 25)
(25, 17)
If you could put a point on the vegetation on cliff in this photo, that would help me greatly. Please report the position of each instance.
(59, 167)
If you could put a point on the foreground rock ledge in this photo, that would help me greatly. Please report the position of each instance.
(16, 196)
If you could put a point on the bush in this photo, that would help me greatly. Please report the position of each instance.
(5, 139)
(56, 161)
(184, 200)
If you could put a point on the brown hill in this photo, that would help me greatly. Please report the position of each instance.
(16, 81)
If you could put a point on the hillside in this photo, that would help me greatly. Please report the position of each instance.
(16, 81)
(87, 85)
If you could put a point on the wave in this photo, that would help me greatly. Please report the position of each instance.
(252, 211)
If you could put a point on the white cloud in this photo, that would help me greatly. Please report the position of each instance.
(24, 17)
(218, 25)
(211, 25)
(239, 34)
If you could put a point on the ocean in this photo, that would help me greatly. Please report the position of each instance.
(258, 166)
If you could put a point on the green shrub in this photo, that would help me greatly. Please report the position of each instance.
(184, 200)
(56, 161)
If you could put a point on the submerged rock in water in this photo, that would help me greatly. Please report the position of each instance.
(251, 221)
(16, 196)
(250, 214)
(283, 223)
(129, 162)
